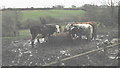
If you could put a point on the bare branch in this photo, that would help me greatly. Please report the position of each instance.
(116, 2)
(102, 2)
(109, 3)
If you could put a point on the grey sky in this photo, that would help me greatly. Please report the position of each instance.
(45, 3)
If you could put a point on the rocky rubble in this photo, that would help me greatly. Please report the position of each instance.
(23, 55)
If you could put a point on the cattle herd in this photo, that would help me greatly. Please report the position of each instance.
(76, 30)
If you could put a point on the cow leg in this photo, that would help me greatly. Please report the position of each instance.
(88, 36)
(38, 40)
(72, 36)
(94, 32)
(32, 40)
(47, 38)
(95, 35)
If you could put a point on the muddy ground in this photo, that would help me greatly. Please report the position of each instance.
(20, 53)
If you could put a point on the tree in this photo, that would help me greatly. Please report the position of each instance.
(73, 6)
(101, 14)
(9, 23)
(17, 16)
(112, 4)
(58, 7)
(119, 13)
(109, 2)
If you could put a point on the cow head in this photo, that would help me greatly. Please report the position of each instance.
(57, 28)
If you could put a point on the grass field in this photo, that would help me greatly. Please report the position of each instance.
(35, 14)
(23, 34)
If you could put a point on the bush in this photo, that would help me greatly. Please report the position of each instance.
(101, 14)
(10, 23)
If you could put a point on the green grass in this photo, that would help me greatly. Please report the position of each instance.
(23, 34)
(35, 14)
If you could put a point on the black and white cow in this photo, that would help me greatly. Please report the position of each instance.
(80, 30)
(45, 31)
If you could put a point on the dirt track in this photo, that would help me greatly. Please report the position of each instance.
(20, 53)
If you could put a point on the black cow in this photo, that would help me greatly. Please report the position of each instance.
(76, 32)
(45, 31)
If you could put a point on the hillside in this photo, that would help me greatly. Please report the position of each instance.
(58, 14)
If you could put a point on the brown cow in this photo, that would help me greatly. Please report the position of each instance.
(46, 31)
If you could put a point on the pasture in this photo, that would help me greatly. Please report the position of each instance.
(23, 34)
(58, 14)
(18, 52)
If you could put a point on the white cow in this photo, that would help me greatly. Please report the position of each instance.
(80, 30)
(87, 27)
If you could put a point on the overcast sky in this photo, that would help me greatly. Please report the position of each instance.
(45, 3)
